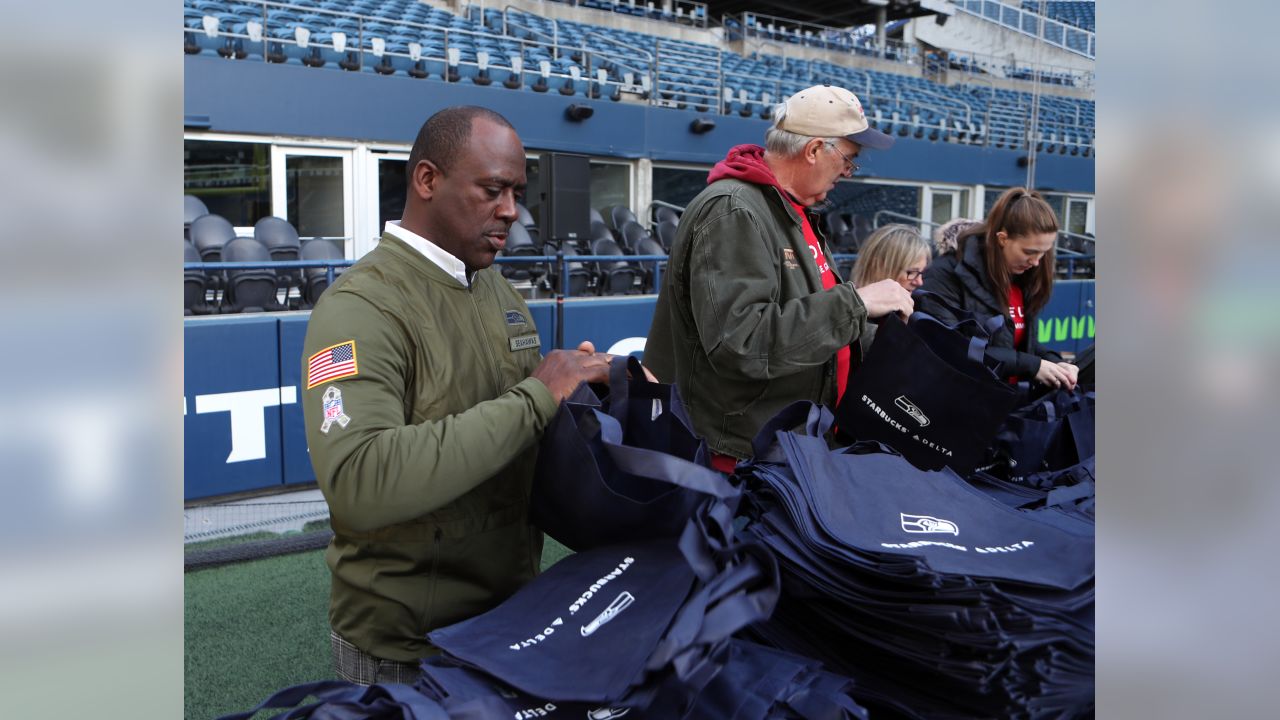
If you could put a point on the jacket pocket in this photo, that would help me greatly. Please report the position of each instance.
(433, 580)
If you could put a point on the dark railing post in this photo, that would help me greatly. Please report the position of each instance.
(562, 288)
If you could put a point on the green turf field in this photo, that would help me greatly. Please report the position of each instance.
(256, 627)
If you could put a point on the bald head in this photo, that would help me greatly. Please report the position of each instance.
(465, 184)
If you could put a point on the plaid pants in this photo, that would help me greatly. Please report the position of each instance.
(355, 665)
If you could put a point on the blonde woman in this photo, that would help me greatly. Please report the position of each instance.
(894, 252)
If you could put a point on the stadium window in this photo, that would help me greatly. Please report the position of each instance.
(232, 179)
(315, 187)
(533, 185)
(393, 184)
(1079, 215)
(678, 185)
(610, 184)
(860, 200)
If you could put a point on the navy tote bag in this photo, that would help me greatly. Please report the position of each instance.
(619, 623)
(622, 468)
(926, 390)
(1054, 432)
(339, 700)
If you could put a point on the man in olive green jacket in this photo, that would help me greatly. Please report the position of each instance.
(425, 394)
(751, 315)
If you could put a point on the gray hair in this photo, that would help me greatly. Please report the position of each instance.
(785, 143)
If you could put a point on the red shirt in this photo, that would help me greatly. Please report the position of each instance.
(1017, 316)
(828, 281)
(726, 463)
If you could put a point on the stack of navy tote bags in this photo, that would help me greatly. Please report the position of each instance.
(937, 599)
(642, 629)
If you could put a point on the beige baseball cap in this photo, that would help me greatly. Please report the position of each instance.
(830, 111)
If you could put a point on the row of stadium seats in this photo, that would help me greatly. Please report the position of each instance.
(516, 50)
(615, 231)
(684, 13)
(209, 238)
(806, 34)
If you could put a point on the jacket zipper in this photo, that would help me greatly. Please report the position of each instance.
(435, 581)
(493, 361)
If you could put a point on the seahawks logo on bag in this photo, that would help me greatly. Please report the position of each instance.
(607, 713)
(912, 409)
(927, 524)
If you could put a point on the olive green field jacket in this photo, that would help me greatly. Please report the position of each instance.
(742, 324)
(425, 452)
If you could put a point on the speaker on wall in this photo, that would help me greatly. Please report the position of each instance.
(565, 197)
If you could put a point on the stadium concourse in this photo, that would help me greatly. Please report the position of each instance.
(298, 118)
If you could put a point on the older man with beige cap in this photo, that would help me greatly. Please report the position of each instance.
(751, 315)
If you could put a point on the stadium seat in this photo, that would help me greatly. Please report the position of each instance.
(316, 280)
(525, 217)
(667, 234)
(595, 215)
(250, 290)
(194, 284)
(192, 208)
(281, 241)
(618, 216)
(861, 229)
(616, 277)
(601, 231)
(209, 233)
(839, 233)
(632, 233)
(520, 243)
(662, 213)
(649, 246)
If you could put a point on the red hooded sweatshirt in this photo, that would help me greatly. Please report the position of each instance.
(746, 163)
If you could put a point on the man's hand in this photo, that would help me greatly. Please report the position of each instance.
(562, 370)
(586, 347)
(884, 297)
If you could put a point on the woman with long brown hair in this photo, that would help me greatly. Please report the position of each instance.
(1005, 267)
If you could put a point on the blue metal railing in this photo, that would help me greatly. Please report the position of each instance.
(329, 265)
(561, 261)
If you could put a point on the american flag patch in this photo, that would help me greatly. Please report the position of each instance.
(332, 363)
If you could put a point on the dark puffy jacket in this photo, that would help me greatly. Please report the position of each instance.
(960, 278)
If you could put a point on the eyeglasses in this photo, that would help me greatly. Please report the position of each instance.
(850, 167)
(912, 274)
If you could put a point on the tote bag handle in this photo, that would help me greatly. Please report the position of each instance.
(655, 465)
(815, 419)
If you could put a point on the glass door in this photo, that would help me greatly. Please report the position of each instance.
(384, 191)
(941, 205)
(312, 189)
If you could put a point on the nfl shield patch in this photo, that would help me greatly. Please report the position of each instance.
(333, 410)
